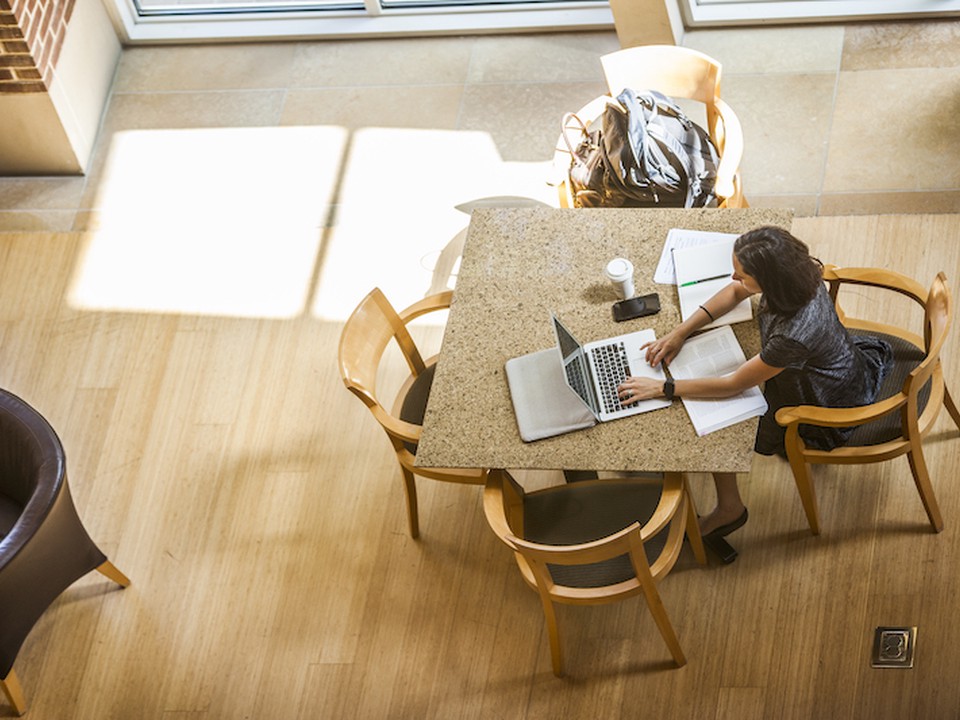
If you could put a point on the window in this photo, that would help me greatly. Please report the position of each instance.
(708, 12)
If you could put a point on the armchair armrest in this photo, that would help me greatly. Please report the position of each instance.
(876, 277)
(431, 303)
(731, 151)
(839, 417)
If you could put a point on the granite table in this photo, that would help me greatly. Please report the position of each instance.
(518, 265)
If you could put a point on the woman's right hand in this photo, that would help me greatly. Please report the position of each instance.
(664, 349)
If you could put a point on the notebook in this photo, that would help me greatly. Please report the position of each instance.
(703, 271)
(573, 386)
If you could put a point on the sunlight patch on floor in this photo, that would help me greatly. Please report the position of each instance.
(398, 210)
(234, 221)
(224, 221)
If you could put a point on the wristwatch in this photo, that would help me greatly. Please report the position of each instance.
(668, 389)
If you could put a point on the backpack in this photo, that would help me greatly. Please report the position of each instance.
(646, 153)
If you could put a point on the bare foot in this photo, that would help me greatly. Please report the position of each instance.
(720, 517)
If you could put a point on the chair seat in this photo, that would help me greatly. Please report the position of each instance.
(906, 357)
(415, 402)
(10, 511)
(575, 514)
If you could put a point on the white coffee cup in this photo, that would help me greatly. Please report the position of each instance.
(620, 272)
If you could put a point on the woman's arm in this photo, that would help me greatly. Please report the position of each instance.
(666, 348)
(753, 372)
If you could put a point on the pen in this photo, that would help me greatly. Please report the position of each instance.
(715, 277)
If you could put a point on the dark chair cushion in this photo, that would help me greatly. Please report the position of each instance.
(906, 357)
(415, 403)
(9, 513)
(583, 512)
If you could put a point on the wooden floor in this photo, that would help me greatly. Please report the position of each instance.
(258, 510)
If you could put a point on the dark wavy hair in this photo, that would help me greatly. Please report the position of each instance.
(781, 265)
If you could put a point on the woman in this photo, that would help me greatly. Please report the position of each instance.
(807, 357)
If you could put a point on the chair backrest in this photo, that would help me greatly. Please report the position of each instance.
(47, 547)
(673, 70)
(366, 335)
(503, 505)
(368, 331)
(938, 317)
(937, 310)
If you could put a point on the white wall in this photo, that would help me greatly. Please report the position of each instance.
(84, 73)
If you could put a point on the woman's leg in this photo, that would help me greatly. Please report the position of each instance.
(729, 505)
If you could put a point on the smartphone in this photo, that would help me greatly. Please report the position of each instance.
(636, 307)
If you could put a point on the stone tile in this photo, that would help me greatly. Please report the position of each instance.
(194, 110)
(36, 220)
(890, 132)
(435, 106)
(808, 49)
(400, 61)
(878, 46)
(802, 205)
(786, 121)
(885, 203)
(41, 193)
(205, 67)
(524, 120)
(558, 57)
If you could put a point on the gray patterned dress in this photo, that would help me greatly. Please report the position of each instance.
(823, 365)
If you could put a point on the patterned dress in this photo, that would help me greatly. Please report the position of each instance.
(823, 365)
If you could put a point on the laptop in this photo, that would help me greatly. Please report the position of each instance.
(595, 370)
(572, 386)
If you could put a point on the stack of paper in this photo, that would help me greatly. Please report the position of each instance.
(714, 354)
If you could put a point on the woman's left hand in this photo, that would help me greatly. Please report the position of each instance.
(635, 389)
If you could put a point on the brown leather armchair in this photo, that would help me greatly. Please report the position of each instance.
(43, 545)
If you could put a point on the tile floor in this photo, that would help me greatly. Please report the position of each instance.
(837, 120)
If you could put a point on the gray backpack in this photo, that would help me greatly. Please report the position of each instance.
(646, 153)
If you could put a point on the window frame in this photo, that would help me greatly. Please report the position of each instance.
(707, 13)
(374, 21)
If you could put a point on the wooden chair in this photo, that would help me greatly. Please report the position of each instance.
(367, 333)
(44, 547)
(909, 401)
(596, 541)
(679, 73)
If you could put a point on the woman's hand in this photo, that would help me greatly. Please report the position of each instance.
(664, 349)
(635, 389)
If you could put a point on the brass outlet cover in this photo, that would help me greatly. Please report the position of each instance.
(893, 647)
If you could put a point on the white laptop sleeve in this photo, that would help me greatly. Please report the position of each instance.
(544, 405)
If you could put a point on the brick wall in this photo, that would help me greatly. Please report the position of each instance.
(31, 35)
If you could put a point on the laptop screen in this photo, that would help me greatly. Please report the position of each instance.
(575, 370)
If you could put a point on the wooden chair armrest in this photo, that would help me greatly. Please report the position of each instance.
(407, 432)
(732, 151)
(838, 417)
(671, 496)
(431, 303)
(876, 277)
(493, 508)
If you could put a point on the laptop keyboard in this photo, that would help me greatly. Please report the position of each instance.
(612, 368)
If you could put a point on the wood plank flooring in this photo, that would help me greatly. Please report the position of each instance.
(258, 510)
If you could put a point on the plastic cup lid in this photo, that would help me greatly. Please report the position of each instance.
(619, 267)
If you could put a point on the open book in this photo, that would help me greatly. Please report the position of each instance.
(701, 272)
(714, 354)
